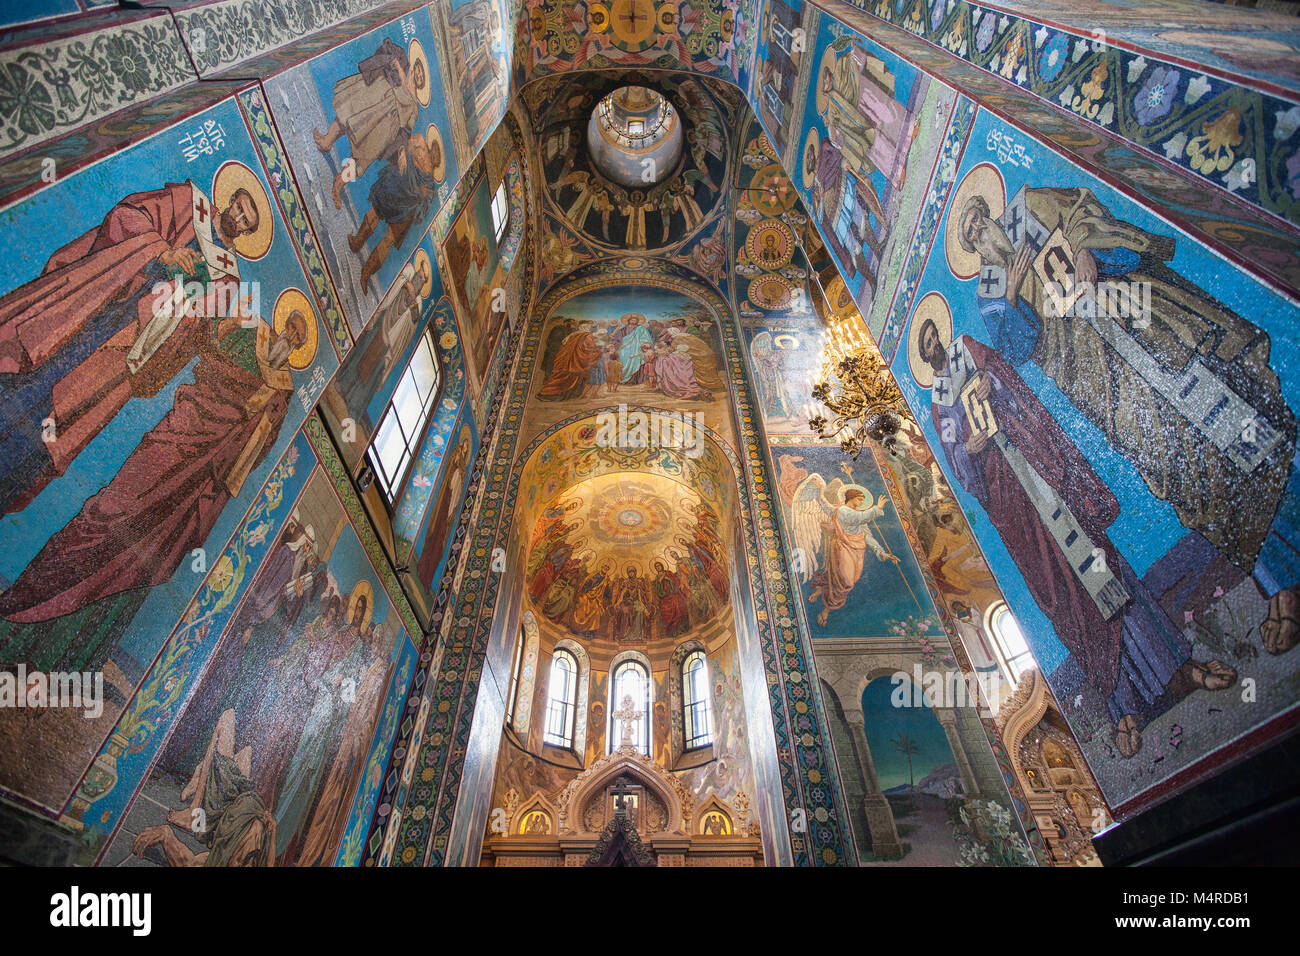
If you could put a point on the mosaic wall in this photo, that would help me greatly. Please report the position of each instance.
(1128, 468)
(168, 516)
(179, 519)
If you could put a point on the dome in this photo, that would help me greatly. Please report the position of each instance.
(635, 137)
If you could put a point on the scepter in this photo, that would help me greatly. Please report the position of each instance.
(844, 466)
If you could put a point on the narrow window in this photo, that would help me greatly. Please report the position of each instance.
(630, 683)
(698, 715)
(562, 696)
(500, 212)
(402, 425)
(515, 669)
(1010, 642)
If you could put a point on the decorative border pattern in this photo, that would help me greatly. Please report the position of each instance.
(53, 87)
(368, 790)
(410, 511)
(220, 35)
(295, 217)
(954, 143)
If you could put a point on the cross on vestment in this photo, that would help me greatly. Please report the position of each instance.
(225, 261)
(1013, 224)
(202, 208)
(628, 715)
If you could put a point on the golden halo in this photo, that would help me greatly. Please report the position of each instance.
(933, 306)
(827, 61)
(983, 180)
(292, 300)
(416, 55)
(422, 258)
(808, 158)
(431, 136)
(230, 178)
(363, 589)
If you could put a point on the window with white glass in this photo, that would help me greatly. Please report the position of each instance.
(562, 700)
(402, 425)
(630, 686)
(500, 212)
(1008, 641)
(697, 714)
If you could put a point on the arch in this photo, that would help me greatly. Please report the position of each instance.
(711, 808)
(523, 699)
(676, 697)
(524, 495)
(603, 773)
(537, 804)
(677, 729)
(637, 660)
(561, 700)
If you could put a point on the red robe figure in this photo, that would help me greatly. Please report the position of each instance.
(167, 496)
(573, 364)
(67, 335)
(1052, 510)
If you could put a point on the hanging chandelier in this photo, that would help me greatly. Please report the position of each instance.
(859, 399)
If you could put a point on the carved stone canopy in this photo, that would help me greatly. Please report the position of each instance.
(620, 845)
(663, 788)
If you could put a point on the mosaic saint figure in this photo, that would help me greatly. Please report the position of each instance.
(1052, 511)
(1202, 415)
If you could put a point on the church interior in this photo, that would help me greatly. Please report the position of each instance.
(746, 433)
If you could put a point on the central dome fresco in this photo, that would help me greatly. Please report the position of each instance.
(631, 558)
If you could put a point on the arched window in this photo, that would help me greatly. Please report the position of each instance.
(562, 697)
(697, 714)
(515, 669)
(631, 681)
(1008, 641)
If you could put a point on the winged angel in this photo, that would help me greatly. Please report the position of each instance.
(832, 530)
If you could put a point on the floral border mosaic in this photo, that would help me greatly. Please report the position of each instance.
(932, 207)
(286, 191)
(223, 34)
(51, 87)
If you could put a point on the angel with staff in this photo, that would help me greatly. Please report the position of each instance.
(832, 528)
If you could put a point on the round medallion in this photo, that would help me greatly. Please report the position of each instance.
(770, 244)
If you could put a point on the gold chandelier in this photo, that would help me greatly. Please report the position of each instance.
(860, 399)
